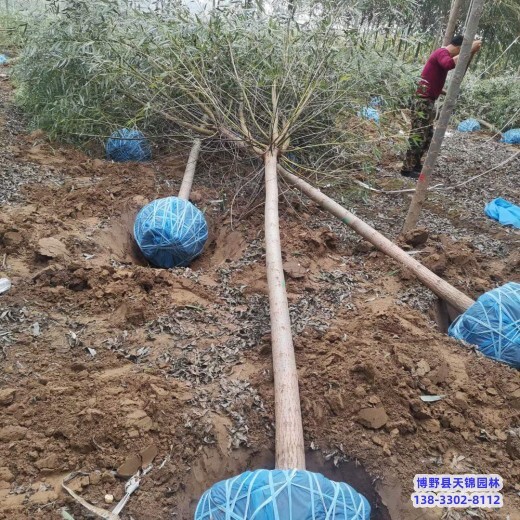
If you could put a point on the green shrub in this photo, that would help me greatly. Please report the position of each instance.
(495, 100)
(13, 31)
(65, 73)
(95, 68)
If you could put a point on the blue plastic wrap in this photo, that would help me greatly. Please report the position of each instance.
(170, 232)
(369, 113)
(3, 59)
(505, 212)
(493, 324)
(281, 495)
(511, 136)
(469, 125)
(376, 101)
(128, 145)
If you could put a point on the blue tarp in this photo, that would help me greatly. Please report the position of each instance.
(469, 125)
(369, 113)
(505, 212)
(511, 136)
(376, 101)
(493, 324)
(281, 495)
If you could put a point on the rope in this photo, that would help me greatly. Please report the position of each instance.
(505, 126)
(438, 186)
(487, 68)
(503, 163)
(470, 8)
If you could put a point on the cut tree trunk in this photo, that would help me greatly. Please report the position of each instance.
(290, 449)
(290, 453)
(440, 287)
(457, 299)
(189, 172)
(452, 22)
(423, 182)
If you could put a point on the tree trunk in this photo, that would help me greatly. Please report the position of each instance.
(189, 172)
(417, 50)
(457, 299)
(290, 453)
(440, 287)
(452, 22)
(449, 104)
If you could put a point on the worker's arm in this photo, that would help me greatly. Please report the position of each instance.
(446, 61)
(475, 47)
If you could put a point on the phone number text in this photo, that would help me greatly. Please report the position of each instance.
(430, 499)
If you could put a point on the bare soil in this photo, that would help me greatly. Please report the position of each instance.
(104, 357)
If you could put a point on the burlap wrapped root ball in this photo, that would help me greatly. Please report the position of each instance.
(492, 323)
(170, 232)
(128, 145)
(282, 495)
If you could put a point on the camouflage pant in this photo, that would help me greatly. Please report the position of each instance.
(423, 115)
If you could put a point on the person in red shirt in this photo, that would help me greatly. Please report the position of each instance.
(431, 86)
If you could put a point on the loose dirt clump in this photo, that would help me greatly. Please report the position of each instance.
(109, 365)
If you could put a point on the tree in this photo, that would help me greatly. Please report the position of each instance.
(421, 191)
(452, 21)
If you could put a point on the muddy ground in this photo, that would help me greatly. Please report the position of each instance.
(108, 364)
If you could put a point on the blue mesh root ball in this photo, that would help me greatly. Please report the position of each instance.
(170, 232)
(128, 145)
(282, 495)
(469, 125)
(493, 324)
(369, 113)
(511, 136)
(3, 59)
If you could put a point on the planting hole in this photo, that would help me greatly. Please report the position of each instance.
(213, 467)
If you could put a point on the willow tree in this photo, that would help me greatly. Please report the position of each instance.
(282, 93)
(288, 95)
